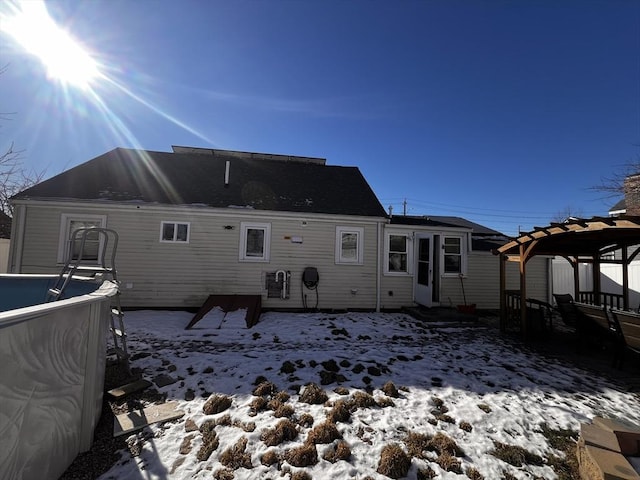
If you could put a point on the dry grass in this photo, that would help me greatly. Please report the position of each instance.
(449, 463)
(301, 475)
(284, 411)
(306, 420)
(313, 395)
(341, 390)
(417, 444)
(265, 388)
(303, 456)
(565, 466)
(285, 430)
(236, 456)
(224, 474)
(270, 457)
(216, 404)
(515, 455)
(258, 404)
(282, 396)
(394, 462)
(209, 440)
(224, 420)
(390, 389)
(340, 451)
(326, 432)
(466, 426)
(384, 402)
(473, 474)
(484, 407)
(362, 400)
(340, 412)
(441, 444)
(426, 473)
(437, 402)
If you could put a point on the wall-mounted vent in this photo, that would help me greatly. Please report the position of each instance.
(278, 284)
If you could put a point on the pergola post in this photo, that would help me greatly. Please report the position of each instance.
(597, 284)
(523, 293)
(575, 263)
(625, 278)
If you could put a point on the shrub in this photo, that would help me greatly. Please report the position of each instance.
(303, 456)
(313, 394)
(216, 404)
(285, 430)
(341, 451)
(236, 457)
(326, 432)
(394, 462)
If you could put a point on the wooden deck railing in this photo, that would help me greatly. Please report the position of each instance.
(611, 300)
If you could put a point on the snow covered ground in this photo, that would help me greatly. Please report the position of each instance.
(464, 382)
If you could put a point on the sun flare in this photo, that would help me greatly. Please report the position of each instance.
(65, 60)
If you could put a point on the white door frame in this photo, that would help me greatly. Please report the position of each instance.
(423, 285)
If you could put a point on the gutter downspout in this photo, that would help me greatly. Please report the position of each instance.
(379, 267)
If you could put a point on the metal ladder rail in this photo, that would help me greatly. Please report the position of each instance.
(116, 323)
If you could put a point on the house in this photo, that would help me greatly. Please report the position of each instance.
(294, 230)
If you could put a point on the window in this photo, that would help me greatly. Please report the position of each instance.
(397, 247)
(452, 247)
(255, 241)
(349, 245)
(176, 232)
(68, 225)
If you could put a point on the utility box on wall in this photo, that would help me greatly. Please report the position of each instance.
(278, 284)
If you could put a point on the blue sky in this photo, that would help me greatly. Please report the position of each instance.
(506, 113)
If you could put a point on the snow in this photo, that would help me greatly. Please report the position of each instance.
(503, 391)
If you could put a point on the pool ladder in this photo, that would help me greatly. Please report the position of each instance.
(105, 266)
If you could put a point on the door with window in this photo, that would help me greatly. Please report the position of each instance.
(423, 291)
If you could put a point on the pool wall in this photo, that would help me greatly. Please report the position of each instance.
(52, 366)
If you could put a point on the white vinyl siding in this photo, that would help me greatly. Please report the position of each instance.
(157, 274)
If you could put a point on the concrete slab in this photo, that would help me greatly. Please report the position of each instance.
(129, 388)
(130, 422)
(598, 437)
(628, 435)
(600, 464)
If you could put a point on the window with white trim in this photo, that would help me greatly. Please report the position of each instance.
(397, 253)
(349, 245)
(453, 260)
(175, 232)
(255, 242)
(69, 223)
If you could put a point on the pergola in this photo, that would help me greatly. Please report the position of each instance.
(578, 241)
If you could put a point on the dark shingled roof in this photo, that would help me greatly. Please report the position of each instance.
(292, 184)
(482, 238)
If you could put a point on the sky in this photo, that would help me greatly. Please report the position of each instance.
(505, 113)
(444, 378)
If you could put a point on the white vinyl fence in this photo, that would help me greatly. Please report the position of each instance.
(610, 279)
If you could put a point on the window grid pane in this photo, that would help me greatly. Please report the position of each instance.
(349, 246)
(397, 253)
(255, 242)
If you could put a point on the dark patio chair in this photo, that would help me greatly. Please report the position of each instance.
(629, 324)
(604, 327)
(567, 309)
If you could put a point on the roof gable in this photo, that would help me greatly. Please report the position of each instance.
(216, 180)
